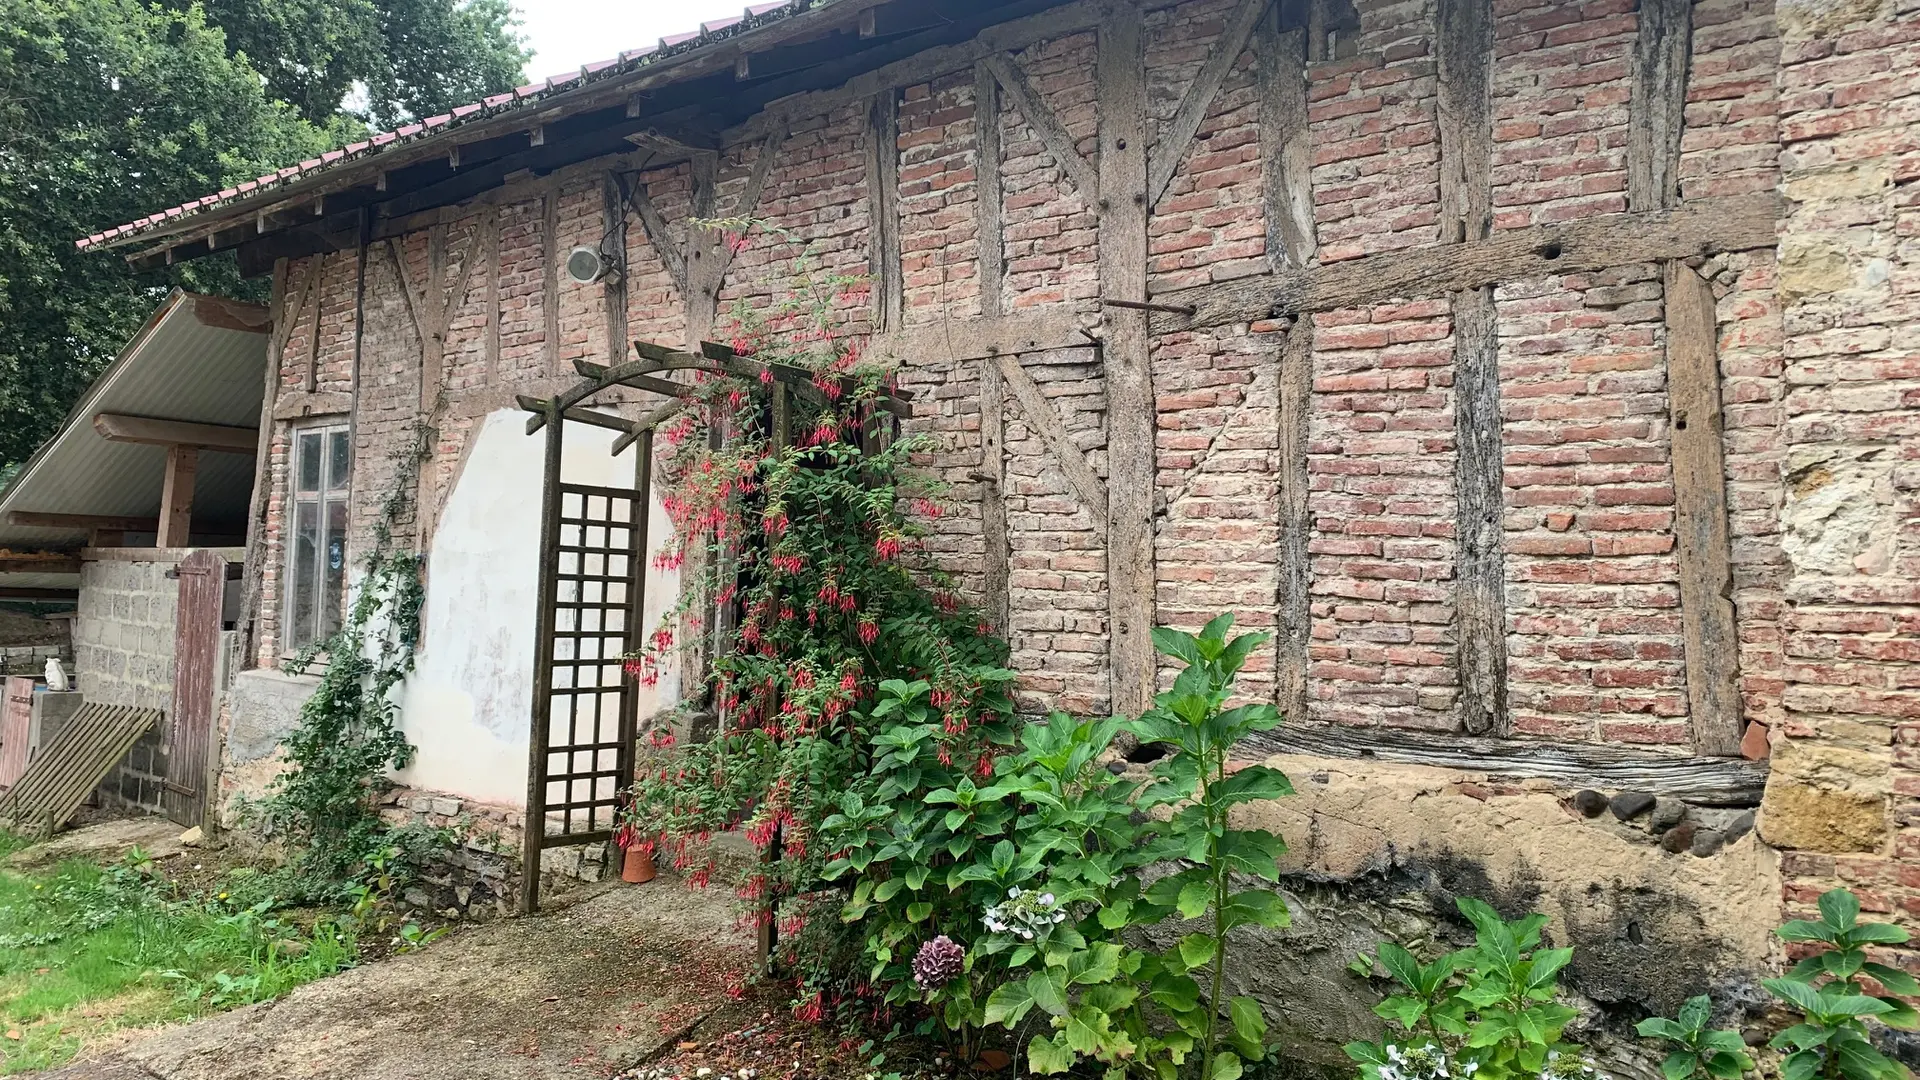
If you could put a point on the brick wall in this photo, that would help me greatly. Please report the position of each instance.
(1819, 379)
(1845, 785)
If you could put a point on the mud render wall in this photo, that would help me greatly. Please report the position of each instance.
(1541, 373)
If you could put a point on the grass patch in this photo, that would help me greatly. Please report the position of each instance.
(86, 949)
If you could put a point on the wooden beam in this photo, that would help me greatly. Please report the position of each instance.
(989, 213)
(1045, 421)
(223, 314)
(176, 497)
(29, 519)
(12, 563)
(1694, 227)
(883, 208)
(118, 427)
(1700, 515)
(1132, 476)
(14, 592)
(1572, 766)
(657, 235)
(958, 340)
(1657, 108)
(1464, 44)
(1177, 138)
(1053, 134)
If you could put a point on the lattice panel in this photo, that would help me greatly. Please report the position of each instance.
(589, 704)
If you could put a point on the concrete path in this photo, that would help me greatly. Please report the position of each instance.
(586, 990)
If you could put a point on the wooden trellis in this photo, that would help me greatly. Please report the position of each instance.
(592, 595)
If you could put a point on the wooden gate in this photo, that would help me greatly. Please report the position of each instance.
(16, 729)
(189, 730)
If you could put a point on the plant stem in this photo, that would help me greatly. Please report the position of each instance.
(1214, 837)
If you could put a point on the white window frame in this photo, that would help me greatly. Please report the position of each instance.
(317, 491)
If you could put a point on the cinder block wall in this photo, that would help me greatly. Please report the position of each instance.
(123, 639)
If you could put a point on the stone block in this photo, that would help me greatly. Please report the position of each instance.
(445, 807)
(1805, 817)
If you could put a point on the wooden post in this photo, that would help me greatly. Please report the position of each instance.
(1465, 48)
(1700, 519)
(989, 211)
(1288, 183)
(1657, 109)
(490, 251)
(176, 497)
(550, 295)
(704, 254)
(1131, 472)
(534, 822)
(883, 206)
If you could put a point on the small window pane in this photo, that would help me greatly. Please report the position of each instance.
(308, 461)
(305, 555)
(334, 573)
(341, 459)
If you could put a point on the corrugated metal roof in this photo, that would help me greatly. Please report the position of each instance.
(178, 367)
(669, 48)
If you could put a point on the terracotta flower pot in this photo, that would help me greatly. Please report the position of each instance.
(638, 866)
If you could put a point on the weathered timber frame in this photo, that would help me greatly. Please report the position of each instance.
(593, 558)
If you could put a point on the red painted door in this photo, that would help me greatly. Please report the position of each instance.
(189, 741)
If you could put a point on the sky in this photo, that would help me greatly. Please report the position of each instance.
(565, 34)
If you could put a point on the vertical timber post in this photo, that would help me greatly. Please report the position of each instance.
(1465, 48)
(1287, 158)
(1122, 94)
(534, 824)
(989, 212)
(883, 206)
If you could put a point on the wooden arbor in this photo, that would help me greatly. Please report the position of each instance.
(592, 593)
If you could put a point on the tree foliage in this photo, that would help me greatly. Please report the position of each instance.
(113, 109)
(410, 58)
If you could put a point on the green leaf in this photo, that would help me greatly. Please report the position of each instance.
(1547, 964)
(1099, 963)
(1839, 909)
(1175, 643)
(1251, 784)
(1194, 898)
(1695, 1013)
(1679, 1065)
(1895, 980)
(1049, 1056)
(1248, 1021)
(1400, 964)
(887, 889)
(1255, 906)
(1226, 1066)
(1048, 989)
(1008, 1003)
(1401, 1009)
(1197, 950)
(1659, 1027)
(1366, 1053)
(1802, 930)
(1877, 933)
(919, 910)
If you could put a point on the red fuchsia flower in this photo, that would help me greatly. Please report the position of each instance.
(802, 678)
(869, 632)
(848, 602)
(810, 1011)
(985, 767)
(766, 375)
(946, 602)
(848, 680)
(829, 592)
(825, 429)
(926, 508)
(982, 627)
(888, 546)
(786, 612)
(774, 521)
(946, 755)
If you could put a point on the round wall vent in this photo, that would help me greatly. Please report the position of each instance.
(585, 265)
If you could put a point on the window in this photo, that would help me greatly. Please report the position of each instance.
(317, 552)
